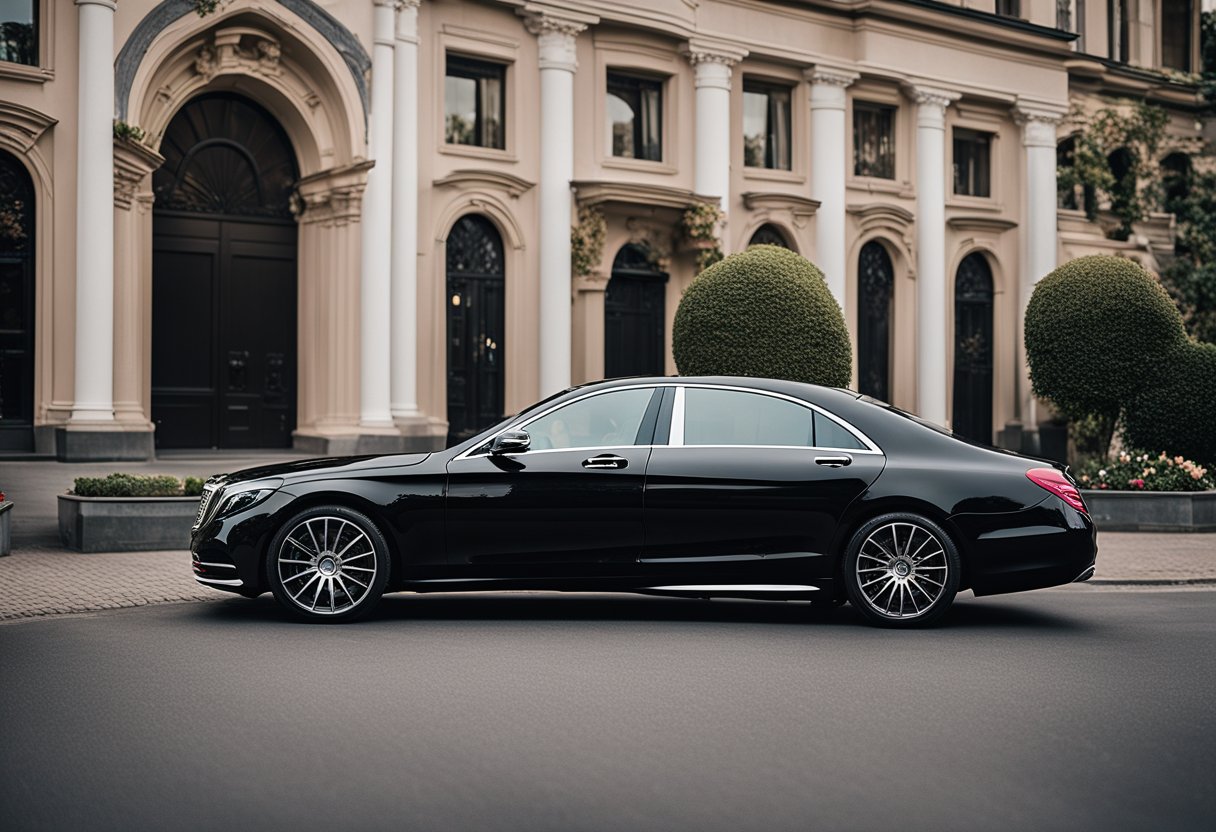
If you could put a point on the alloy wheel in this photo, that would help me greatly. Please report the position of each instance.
(902, 570)
(327, 565)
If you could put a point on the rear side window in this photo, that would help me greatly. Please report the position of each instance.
(607, 420)
(829, 434)
(732, 417)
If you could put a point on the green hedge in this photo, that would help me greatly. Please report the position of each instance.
(137, 485)
(1177, 412)
(1099, 330)
(764, 312)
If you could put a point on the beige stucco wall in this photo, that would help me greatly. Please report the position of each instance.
(889, 44)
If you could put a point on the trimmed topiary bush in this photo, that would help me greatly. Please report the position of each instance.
(1177, 411)
(129, 485)
(764, 312)
(1099, 331)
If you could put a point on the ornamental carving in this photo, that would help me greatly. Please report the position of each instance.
(239, 50)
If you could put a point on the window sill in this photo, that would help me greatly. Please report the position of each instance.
(473, 151)
(21, 72)
(975, 203)
(877, 185)
(773, 175)
(640, 165)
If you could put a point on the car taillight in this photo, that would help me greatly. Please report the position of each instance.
(1058, 484)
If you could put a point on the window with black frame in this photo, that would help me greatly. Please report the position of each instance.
(1009, 8)
(474, 102)
(635, 116)
(1177, 17)
(19, 32)
(766, 125)
(873, 140)
(972, 163)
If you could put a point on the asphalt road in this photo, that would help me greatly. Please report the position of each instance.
(1066, 709)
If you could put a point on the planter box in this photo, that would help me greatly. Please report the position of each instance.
(6, 527)
(1152, 511)
(125, 524)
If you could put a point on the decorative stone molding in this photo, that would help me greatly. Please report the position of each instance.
(478, 179)
(830, 76)
(23, 126)
(890, 220)
(990, 225)
(168, 12)
(133, 161)
(800, 208)
(555, 34)
(331, 197)
(589, 193)
(1038, 123)
(407, 20)
(239, 49)
(700, 51)
(931, 104)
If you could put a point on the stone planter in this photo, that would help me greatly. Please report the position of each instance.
(6, 527)
(125, 524)
(1152, 511)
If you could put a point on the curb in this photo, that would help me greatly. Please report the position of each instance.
(1152, 581)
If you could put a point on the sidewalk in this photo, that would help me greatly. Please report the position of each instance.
(42, 578)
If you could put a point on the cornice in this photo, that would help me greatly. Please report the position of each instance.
(795, 203)
(24, 124)
(599, 192)
(474, 178)
(990, 224)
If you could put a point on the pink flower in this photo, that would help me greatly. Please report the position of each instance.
(1139, 483)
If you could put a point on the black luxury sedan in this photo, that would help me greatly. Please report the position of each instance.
(687, 486)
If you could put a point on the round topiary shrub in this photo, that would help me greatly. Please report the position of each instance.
(1177, 412)
(1099, 330)
(764, 312)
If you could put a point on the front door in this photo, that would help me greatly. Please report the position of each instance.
(570, 505)
(224, 279)
(16, 306)
(476, 295)
(634, 316)
(972, 416)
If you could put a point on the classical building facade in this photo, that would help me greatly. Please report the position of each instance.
(347, 225)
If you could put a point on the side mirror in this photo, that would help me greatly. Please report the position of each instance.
(511, 442)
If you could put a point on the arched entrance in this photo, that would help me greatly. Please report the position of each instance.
(224, 279)
(769, 235)
(16, 305)
(973, 291)
(634, 315)
(476, 302)
(875, 288)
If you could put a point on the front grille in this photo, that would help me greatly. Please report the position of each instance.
(208, 492)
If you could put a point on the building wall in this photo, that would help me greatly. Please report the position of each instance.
(993, 71)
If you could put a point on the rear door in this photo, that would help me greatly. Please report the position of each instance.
(753, 484)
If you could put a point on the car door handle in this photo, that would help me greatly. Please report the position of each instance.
(834, 461)
(606, 461)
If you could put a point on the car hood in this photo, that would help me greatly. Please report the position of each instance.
(305, 468)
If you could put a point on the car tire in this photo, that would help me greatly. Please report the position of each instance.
(901, 570)
(328, 564)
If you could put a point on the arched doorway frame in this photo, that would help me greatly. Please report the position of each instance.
(890, 229)
(1004, 341)
(884, 246)
(521, 300)
(23, 133)
(651, 278)
(278, 59)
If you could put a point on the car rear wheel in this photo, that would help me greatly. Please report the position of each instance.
(328, 564)
(902, 570)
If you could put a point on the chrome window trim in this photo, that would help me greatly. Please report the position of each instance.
(469, 454)
(677, 428)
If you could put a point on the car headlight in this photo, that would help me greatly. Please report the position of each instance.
(246, 495)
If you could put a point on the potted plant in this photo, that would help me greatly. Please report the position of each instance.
(129, 512)
(1140, 491)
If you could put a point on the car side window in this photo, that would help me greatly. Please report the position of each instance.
(733, 417)
(829, 434)
(606, 420)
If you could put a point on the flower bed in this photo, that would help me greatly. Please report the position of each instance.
(129, 512)
(1142, 492)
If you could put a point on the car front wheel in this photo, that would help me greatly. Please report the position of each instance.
(901, 570)
(328, 564)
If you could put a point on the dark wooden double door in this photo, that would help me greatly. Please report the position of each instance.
(223, 332)
(635, 316)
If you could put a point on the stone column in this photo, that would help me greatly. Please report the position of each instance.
(404, 336)
(829, 156)
(375, 289)
(94, 385)
(1039, 238)
(556, 40)
(712, 68)
(931, 336)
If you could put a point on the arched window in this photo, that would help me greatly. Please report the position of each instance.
(973, 293)
(875, 290)
(635, 315)
(476, 323)
(769, 235)
(16, 305)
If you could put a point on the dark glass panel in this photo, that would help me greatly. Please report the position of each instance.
(766, 125)
(19, 31)
(873, 140)
(769, 235)
(476, 324)
(973, 293)
(972, 163)
(875, 290)
(474, 103)
(635, 116)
